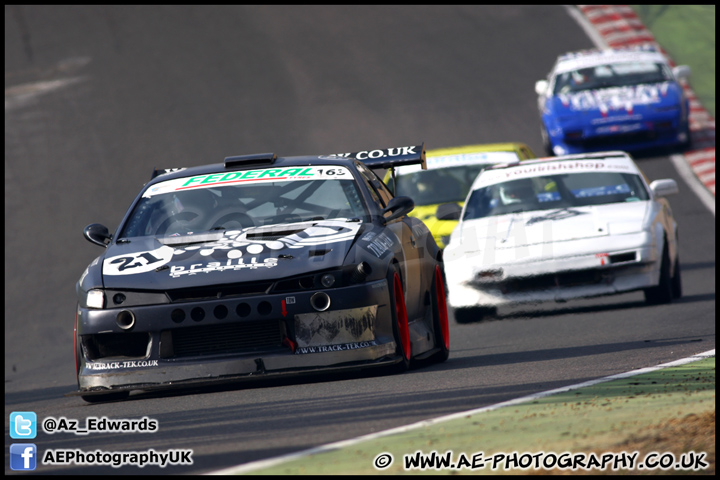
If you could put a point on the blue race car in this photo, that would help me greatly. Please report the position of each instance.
(621, 99)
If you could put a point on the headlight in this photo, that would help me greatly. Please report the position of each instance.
(95, 299)
(339, 278)
(125, 299)
(573, 134)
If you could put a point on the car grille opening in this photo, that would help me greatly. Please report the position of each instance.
(623, 257)
(606, 141)
(218, 291)
(552, 280)
(238, 338)
(116, 345)
(295, 284)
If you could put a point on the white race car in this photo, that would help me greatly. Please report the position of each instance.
(561, 228)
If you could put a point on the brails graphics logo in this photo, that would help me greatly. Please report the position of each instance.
(243, 248)
(236, 249)
(231, 264)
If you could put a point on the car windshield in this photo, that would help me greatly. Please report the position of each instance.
(439, 185)
(230, 201)
(553, 192)
(611, 75)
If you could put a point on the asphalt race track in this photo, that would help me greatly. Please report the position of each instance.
(96, 97)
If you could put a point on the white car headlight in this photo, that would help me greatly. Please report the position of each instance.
(95, 299)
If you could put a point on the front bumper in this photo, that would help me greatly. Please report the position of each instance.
(229, 339)
(628, 136)
(556, 279)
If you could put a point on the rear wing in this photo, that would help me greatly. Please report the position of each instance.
(389, 157)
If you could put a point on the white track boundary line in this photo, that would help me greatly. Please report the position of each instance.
(271, 462)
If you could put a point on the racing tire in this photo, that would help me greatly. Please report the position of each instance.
(685, 146)
(473, 314)
(661, 294)
(401, 329)
(676, 281)
(547, 145)
(77, 349)
(441, 325)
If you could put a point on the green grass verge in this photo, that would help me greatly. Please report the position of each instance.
(599, 418)
(687, 33)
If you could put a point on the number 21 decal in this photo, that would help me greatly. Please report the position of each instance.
(137, 262)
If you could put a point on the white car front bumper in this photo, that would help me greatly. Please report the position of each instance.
(583, 269)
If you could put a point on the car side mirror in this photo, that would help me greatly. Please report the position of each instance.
(541, 87)
(398, 207)
(97, 234)
(681, 72)
(664, 187)
(448, 211)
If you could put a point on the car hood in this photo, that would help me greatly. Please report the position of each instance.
(251, 254)
(550, 226)
(638, 100)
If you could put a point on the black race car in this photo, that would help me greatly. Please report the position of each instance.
(256, 267)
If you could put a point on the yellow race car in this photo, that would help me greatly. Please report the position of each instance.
(439, 192)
